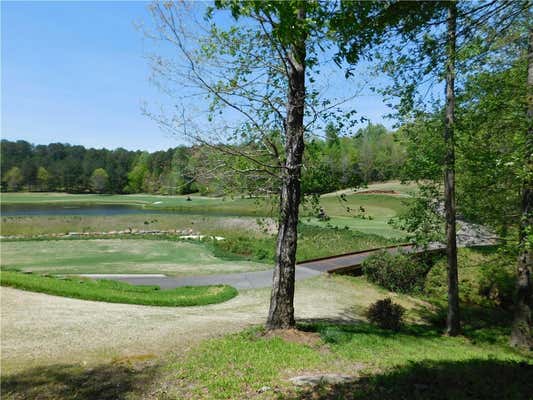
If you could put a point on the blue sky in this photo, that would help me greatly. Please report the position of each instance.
(76, 72)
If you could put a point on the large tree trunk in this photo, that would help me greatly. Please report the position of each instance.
(452, 321)
(281, 313)
(521, 330)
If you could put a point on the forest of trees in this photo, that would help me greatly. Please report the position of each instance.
(333, 161)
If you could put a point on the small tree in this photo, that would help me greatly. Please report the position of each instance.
(13, 179)
(256, 69)
(42, 178)
(99, 180)
(137, 176)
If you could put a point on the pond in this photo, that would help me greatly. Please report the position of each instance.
(25, 210)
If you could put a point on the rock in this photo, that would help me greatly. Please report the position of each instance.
(313, 380)
(264, 389)
(421, 386)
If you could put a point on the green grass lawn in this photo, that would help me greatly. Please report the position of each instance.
(387, 364)
(377, 226)
(348, 212)
(117, 292)
(117, 256)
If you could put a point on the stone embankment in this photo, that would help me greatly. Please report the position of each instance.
(180, 234)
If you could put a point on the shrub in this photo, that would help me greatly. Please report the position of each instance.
(486, 278)
(497, 282)
(399, 273)
(247, 247)
(386, 314)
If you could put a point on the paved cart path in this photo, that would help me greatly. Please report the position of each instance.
(259, 279)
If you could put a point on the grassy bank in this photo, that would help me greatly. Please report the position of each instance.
(313, 242)
(117, 292)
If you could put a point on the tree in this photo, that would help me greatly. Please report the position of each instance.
(281, 312)
(522, 322)
(137, 176)
(42, 178)
(416, 54)
(488, 37)
(13, 179)
(99, 180)
(453, 326)
(259, 68)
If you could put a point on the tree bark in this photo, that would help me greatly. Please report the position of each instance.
(521, 329)
(452, 321)
(281, 313)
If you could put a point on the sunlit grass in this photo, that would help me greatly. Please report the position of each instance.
(117, 292)
(116, 256)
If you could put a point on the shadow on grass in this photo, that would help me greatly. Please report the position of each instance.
(103, 382)
(342, 331)
(479, 324)
(472, 379)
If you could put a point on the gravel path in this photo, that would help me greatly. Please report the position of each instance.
(39, 329)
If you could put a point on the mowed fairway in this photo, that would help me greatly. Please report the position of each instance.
(367, 213)
(116, 256)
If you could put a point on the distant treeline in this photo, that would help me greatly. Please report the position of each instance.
(331, 163)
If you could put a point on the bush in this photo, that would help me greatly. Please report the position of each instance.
(399, 273)
(497, 283)
(247, 247)
(386, 314)
(486, 278)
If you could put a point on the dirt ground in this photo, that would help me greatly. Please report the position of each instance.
(39, 329)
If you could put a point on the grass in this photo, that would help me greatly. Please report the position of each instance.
(378, 226)
(378, 211)
(238, 252)
(118, 292)
(237, 366)
(62, 381)
(244, 240)
(313, 242)
(117, 256)
(404, 189)
(482, 379)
